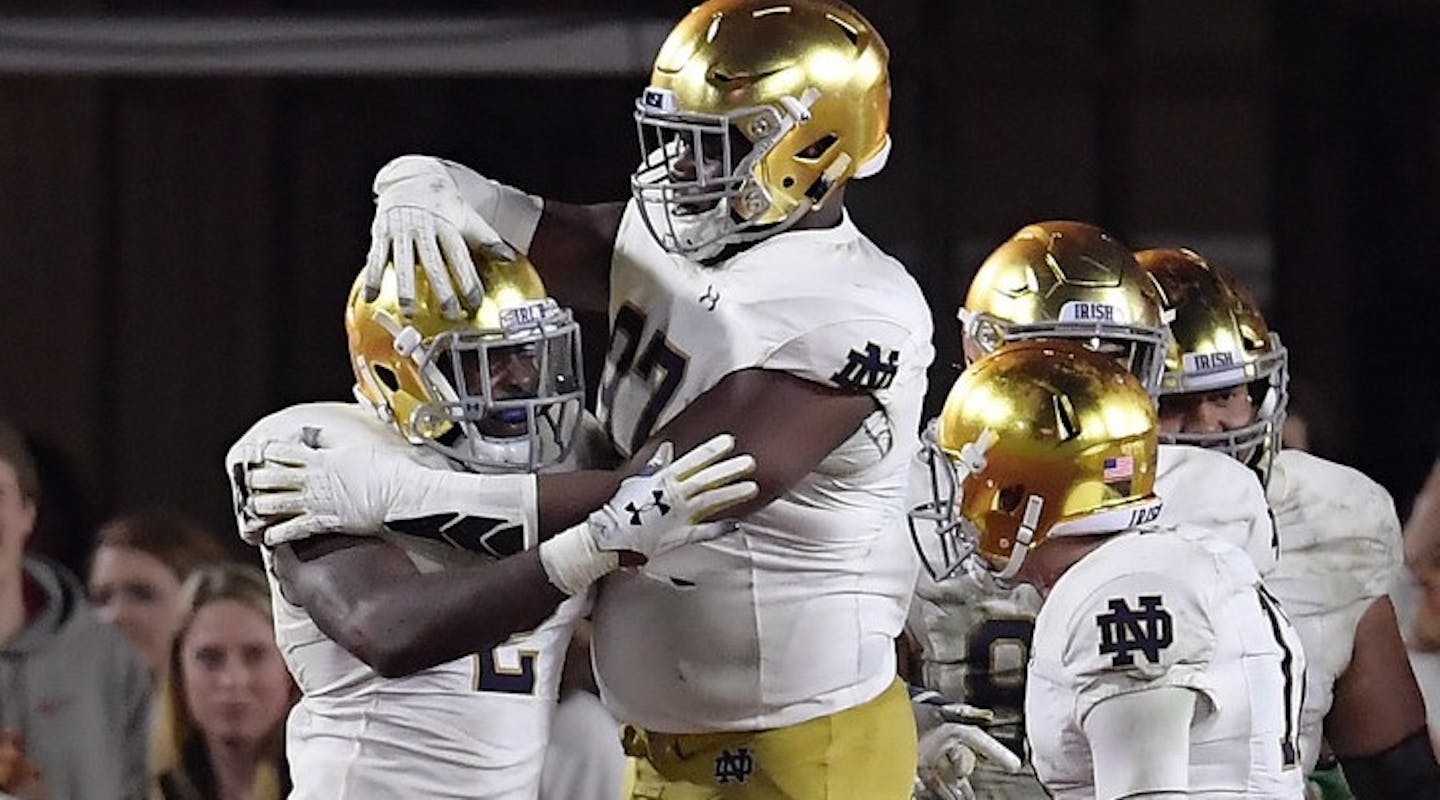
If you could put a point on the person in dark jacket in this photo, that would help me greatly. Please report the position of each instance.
(74, 696)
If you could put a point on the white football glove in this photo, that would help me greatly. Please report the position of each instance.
(294, 490)
(419, 208)
(951, 744)
(949, 754)
(301, 491)
(653, 513)
(659, 509)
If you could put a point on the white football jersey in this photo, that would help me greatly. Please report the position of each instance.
(1171, 608)
(1213, 491)
(473, 727)
(975, 637)
(1341, 549)
(794, 616)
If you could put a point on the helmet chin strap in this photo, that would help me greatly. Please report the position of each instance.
(1034, 504)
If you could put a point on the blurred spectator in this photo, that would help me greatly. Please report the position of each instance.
(74, 697)
(221, 713)
(140, 560)
(1422, 556)
(1418, 596)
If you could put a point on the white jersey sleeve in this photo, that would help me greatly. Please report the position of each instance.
(1168, 608)
(472, 727)
(794, 616)
(1135, 630)
(1214, 492)
(1341, 550)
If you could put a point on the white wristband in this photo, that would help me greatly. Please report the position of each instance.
(512, 213)
(573, 562)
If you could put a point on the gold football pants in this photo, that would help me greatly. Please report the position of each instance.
(862, 753)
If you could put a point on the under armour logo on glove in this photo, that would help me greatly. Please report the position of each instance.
(658, 502)
(664, 506)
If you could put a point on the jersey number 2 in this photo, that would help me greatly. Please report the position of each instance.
(659, 357)
(506, 669)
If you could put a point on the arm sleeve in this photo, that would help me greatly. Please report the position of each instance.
(1140, 743)
(863, 355)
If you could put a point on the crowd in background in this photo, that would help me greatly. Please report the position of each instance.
(157, 677)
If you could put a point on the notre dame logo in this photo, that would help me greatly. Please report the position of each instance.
(868, 370)
(734, 765)
(1125, 630)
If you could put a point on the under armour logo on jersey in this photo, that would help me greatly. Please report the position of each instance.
(1124, 630)
(711, 298)
(868, 370)
(734, 765)
(658, 503)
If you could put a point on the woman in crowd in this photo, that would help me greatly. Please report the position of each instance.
(140, 560)
(219, 731)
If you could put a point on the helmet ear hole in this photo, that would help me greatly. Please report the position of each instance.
(386, 376)
(1007, 500)
(818, 148)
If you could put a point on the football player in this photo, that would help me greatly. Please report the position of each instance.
(1224, 389)
(740, 295)
(397, 585)
(1160, 666)
(1051, 280)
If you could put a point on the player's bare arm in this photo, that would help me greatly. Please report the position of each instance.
(366, 595)
(572, 249)
(759, 407)
(1376, 724)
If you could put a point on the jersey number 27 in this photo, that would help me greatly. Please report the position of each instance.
(660, 367)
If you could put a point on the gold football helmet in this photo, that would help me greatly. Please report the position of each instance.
(1067, 280)
(757, 110)
(500, 389)
(1041, 439)
(1219, 341)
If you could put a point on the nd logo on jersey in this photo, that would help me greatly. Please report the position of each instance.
(1125, 630)
(869, 369)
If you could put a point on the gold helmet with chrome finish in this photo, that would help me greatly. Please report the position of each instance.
(757, 110)
(1220, 341)
(1044, 438)
(1067, 280)
(501, 389)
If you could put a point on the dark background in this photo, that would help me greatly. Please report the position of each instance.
(175, 249)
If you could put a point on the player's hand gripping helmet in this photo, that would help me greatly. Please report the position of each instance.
(1040, 439)
(500, 389)
(1067, 280)
(757, 110)
(1219, 341)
